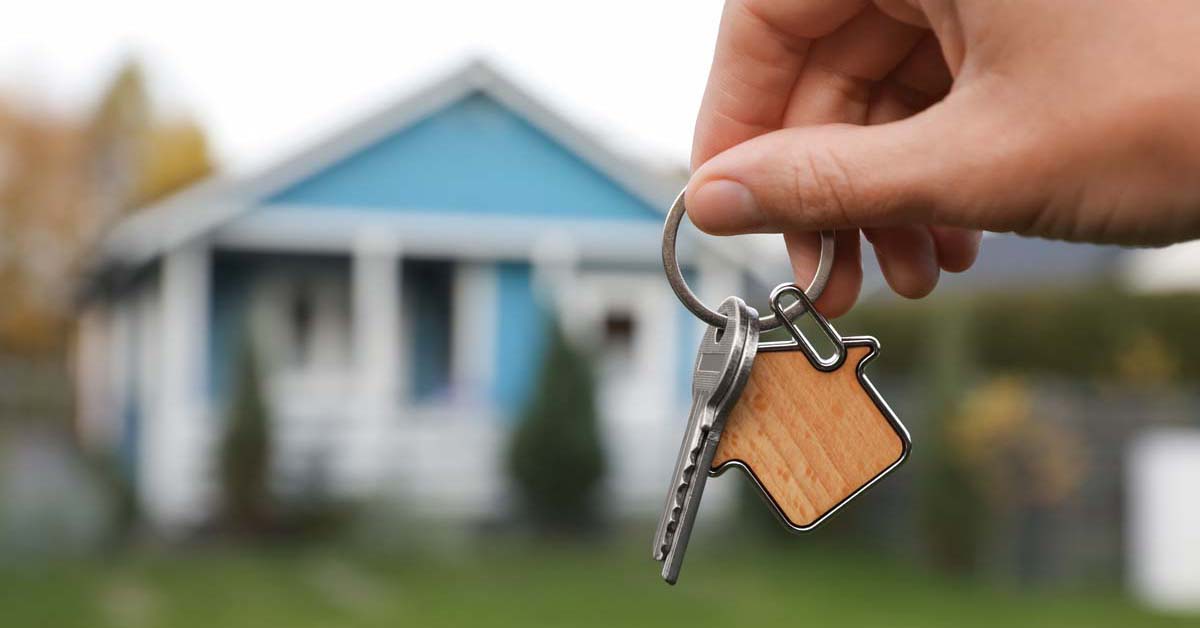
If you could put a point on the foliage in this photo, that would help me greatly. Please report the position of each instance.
(1017, 457)
(1091, 333)
(64, 181)
(143, 158)
(244, 457)
(175, 155)
(556, 457)
(949, 510)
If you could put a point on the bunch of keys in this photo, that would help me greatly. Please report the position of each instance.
(811, 432)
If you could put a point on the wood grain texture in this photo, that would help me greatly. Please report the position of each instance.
(810, 438)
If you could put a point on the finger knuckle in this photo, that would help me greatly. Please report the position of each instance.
(824, 189)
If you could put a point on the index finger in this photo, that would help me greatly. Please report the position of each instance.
(760, 50)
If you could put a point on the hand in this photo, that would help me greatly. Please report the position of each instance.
(921, 122)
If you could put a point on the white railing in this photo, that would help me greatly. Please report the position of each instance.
(437, 459)
(442, 458)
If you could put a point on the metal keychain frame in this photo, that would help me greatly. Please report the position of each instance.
(799, 342)
(716, 319)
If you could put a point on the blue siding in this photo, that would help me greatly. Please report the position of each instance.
(520, 336)
(472, 156)
(129, 443)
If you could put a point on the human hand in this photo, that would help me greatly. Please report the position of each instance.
(921, 122)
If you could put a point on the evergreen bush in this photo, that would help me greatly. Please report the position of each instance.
(556, 458)
(245, 452)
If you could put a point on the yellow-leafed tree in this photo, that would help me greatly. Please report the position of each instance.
(63, 182)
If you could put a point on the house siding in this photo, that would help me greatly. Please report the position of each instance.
(473, 156)
(521, 331)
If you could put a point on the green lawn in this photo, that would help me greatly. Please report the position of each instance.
(611, 585)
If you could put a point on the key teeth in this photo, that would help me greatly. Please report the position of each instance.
(680, 492)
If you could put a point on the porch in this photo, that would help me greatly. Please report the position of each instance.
(390, 372)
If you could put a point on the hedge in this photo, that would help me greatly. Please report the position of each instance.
(1093, 333)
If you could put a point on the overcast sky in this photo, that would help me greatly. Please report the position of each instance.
(265, 78)
(268, 78)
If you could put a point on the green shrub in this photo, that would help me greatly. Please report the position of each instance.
(556, 458)
(950, 515)
(1084, 332)
(245, 453)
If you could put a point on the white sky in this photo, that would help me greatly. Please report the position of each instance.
(266, 78)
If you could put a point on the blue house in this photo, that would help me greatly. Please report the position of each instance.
(397, 283)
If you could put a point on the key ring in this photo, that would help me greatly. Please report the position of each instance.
(714, 318)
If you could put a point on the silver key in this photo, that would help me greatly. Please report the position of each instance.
(722, 368)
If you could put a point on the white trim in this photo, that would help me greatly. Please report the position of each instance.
(203, 207)
(428, 233)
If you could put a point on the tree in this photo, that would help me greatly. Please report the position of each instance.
(245, 453)
(556, 457)
(139, 157)
(64, 181)
(950, 511)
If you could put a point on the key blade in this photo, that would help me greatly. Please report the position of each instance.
(673, 561)
(685, 470)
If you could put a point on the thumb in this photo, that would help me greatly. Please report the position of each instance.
(841, 176)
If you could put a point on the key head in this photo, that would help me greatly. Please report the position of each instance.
(720, 350)
(811, 438)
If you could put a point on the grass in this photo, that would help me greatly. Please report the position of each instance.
(610, 585)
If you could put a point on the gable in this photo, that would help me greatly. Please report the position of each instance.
(475, 156)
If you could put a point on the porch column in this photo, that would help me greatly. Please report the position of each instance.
(378, 358)
(178, 432)
(474, 331)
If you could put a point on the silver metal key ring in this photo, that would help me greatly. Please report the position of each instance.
(714, 318)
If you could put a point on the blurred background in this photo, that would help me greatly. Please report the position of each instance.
(351, 315)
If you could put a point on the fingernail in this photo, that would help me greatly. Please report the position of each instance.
(723, 205)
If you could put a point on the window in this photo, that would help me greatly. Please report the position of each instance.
(618, 331)
(428, 287)
(300, 318)
(617, 342)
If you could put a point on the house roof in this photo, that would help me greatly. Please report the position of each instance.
(214, 204)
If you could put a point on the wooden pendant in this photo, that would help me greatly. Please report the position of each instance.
(811, 436)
